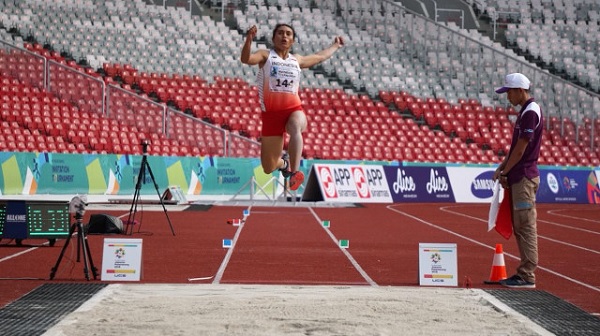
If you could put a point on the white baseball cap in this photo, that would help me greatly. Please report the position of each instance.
(514, 81)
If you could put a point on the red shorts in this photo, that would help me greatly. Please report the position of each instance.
(273, 123)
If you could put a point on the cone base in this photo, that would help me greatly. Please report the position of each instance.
(489, 282)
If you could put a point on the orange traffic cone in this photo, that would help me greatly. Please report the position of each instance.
(498, 267)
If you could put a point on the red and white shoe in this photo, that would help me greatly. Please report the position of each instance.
(296, 180)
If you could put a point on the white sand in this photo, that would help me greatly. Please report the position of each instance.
(207, 309)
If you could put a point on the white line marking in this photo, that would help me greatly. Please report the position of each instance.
(445, 209)
(17, 254)
(346, 253)
(492, 248)
(554, 212)
(225, 262)
(202, 278)
(21, 253)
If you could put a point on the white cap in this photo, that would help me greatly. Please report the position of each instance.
(514, 81)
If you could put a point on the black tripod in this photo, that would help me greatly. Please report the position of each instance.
(81, 246)
(138, 186)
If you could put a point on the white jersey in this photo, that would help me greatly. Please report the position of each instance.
(278, 82)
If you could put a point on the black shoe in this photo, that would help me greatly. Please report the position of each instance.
(516, 281)
(285, 170)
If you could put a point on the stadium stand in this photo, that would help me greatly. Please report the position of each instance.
(404, 88)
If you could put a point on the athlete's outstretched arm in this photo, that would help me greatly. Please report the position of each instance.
(310, 60)
(252, 58)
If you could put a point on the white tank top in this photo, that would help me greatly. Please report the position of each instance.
(278, 82)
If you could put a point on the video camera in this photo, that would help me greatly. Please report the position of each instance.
(77, 205)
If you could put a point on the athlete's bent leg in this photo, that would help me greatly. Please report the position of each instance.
(270, 153)
(295, 125)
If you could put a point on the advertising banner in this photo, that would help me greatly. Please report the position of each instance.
(347, 183)
(567, 186)
(594, 187)
(419, 184)
(472, 184)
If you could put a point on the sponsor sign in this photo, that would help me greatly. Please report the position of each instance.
(15, 220)
(122, 259)
(419, 184)
(437, 265)
(472, 184)
(566, 186)
(347, 183)
(594, 187)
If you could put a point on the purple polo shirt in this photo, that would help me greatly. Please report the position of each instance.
(529, 125)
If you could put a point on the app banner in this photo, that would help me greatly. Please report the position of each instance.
(472, 184)
(419, 184)
(348, 183)
(567, 186)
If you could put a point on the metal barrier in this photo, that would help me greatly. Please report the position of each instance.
(22, 64)
(77, 88)
(559, 98)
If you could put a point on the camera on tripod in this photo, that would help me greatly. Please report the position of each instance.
(145, 144)
(77, 206)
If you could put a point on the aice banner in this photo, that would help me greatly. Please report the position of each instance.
(347, 183)
(419, 184)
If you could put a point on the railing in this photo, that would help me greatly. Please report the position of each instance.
(91, 94)
(79, 89)
(559, 98)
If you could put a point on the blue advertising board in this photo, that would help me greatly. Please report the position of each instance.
(15, 224)
(419, 184)
(564, 186)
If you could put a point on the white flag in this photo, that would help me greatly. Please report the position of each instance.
(494, 206)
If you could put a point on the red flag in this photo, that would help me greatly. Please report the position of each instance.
(504, 220)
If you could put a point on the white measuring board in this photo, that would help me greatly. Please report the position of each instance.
(122, 259)
(437, 264)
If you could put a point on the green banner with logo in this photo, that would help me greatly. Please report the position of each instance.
(26, 173)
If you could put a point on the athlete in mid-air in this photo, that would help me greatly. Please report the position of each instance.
(278, 82)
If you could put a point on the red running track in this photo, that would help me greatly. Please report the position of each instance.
(288, 245)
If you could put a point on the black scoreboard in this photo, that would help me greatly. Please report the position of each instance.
(34, 219)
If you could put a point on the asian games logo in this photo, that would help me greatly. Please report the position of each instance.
(436, 258)
(361, 182)
(120, 253)
(569, 184)
(327, 182)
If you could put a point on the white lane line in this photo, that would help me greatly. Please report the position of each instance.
(555, 213)
(586, 285)
(225, 261)
(8, 257)
(445, 209)
(346, 253)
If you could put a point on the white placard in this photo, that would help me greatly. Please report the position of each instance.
(122, 259)
(437, 265)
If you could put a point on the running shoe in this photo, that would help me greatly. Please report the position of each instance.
(296, 180)
(285, 170)
(516, 281)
